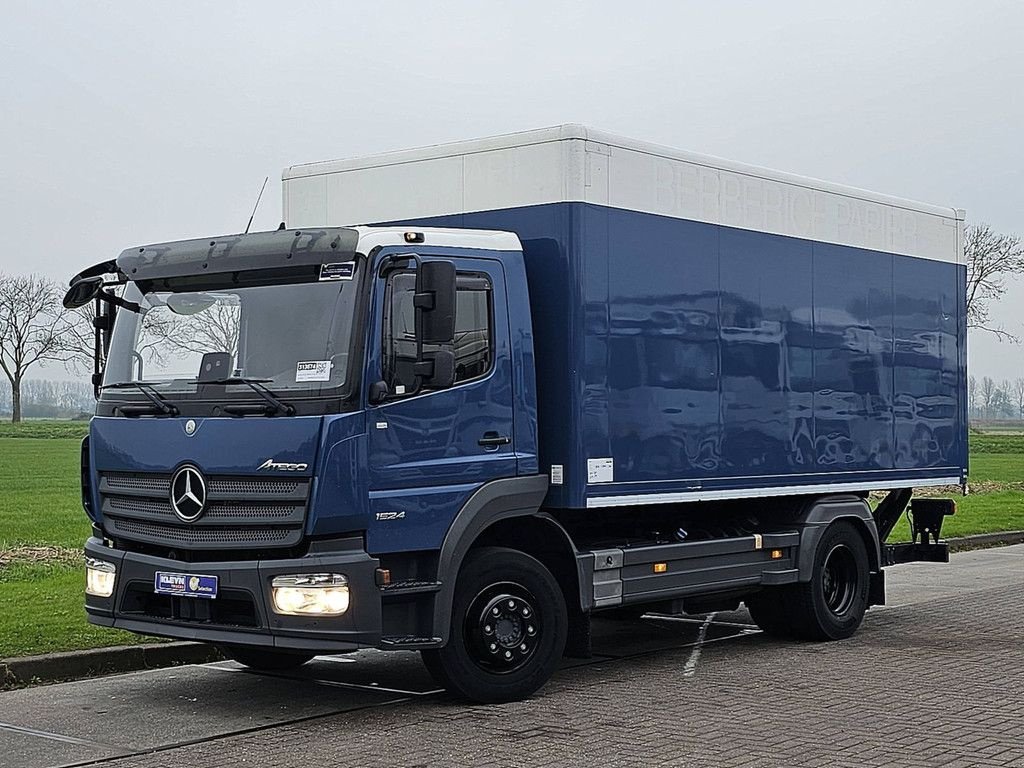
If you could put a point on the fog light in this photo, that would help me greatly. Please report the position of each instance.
(99, 577)
(311, 594)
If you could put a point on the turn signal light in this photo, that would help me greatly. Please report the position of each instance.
(776, 554)
(661, 567)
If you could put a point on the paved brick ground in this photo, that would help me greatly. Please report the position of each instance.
(936, 683)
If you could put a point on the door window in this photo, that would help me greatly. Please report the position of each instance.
(474, 338)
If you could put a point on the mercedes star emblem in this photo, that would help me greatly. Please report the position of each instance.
(188, 493)
(190, 427)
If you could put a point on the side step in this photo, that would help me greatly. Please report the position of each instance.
(410, 588)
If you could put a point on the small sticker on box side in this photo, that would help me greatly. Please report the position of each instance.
(556, 474)
(344, 270)
(313, 370)
(600, 470)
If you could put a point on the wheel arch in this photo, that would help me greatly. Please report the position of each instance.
(818, 514)
(516, 498)
(542, 537)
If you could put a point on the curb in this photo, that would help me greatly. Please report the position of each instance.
(72, 665)
(984, 540)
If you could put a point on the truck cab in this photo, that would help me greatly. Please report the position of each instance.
(280, 411)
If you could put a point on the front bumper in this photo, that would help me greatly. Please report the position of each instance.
(241, 613)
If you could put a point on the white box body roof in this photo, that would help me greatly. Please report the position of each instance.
(572, 163)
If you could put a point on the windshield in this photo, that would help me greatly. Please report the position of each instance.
(295, 337)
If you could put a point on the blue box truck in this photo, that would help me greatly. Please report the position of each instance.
(470, 396)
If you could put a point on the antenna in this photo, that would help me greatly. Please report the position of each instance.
(258, 198)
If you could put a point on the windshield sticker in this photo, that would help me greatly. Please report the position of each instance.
(341, 271)
(313, 370)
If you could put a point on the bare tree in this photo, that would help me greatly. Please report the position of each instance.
(972, 396)
(992, 259)
(214, 329)
(1018, 393)
(1003, 400)
(153, 343)
(33, 327)
(80, 340)
(988, 395)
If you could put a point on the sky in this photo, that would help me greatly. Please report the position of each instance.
(137, 122)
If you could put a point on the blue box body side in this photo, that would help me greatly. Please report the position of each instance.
(703, 357)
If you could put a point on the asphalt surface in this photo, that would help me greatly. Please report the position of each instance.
(936, 678)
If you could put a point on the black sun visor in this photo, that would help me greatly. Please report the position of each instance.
(282, 249)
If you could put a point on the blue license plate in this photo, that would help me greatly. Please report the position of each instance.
(185, 585)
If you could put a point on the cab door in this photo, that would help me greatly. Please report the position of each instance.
(429, 451)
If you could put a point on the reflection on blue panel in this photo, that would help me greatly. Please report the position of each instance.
(853, 340)
(926, 364)
(663, 370)
(697, 355)
(765, 339)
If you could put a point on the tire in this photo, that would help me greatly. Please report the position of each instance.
(831, 605)
(768, 610)
(265, 660)
(508, 631)
(433, 665)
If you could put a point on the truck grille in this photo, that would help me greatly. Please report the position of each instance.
(240, 512)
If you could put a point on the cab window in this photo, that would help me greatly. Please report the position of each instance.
(474, 339)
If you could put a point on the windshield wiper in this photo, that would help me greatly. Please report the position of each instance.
(159, 401)
(256, 385)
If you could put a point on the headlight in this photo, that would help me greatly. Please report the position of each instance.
(312, 594)
(99, 577)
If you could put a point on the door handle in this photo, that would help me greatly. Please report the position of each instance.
(493, 440)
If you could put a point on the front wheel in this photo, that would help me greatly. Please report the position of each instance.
(508, 629)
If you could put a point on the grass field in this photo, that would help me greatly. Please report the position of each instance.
(40, 496)
(42, 611)
(42, 528)
(72, 430)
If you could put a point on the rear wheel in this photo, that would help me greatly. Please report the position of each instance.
(768, 610)
(265, 660)
(832, 604)
(508, 631)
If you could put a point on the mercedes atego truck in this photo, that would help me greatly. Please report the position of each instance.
(470, 396)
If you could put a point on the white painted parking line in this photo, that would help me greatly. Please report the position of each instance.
(688, 620)
(334, 683)
(335, 659)
(690, 668)
(53, 736)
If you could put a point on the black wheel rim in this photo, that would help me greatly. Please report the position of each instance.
(839, 579)
(502, 628)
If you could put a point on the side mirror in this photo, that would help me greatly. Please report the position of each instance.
(435, 302)
(436, 370)
(378, 392)
(82, 292)
(443, 375)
